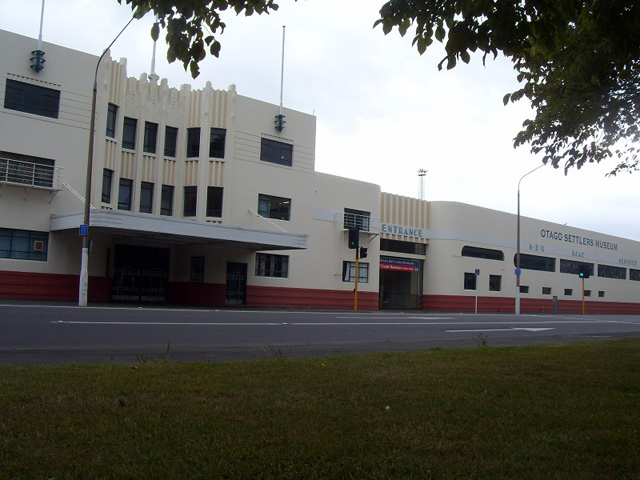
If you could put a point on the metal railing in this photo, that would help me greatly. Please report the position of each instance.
(357, 220)
(36, 175)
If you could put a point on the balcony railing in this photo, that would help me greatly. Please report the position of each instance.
(357, 220)
(36, 175)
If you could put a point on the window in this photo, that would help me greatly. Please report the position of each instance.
(608, 271)
(23, 244)
(546, 290)
(272, 265)
(26, 170)
(587, 293)
(146, 197)
(403, 247)
(28, 98)
(112, 117)
(276, 152)
(190, 201)
(535, 262)
(197, 269)
(166, 200)
(568, 292)
(129, 133)
(349, 272)
(214, 201)
(495, 283)
(573, 267)
(600, 293)
(124, 194)
(357, 218)
(150, 137)
(193, 142)
(470, 281)
(477, 252)
(216, 142)
(170, 141)
(274, 207)
(524, 288)
(107, 179)
(634, 274)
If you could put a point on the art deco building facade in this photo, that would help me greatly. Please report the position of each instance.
(197, 198)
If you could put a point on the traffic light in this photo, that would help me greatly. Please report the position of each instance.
(363, 252)
(354, 237)
(584, 271)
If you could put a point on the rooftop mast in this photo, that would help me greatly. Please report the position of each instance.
(280, 117)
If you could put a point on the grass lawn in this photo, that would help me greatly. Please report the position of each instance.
(537, 412)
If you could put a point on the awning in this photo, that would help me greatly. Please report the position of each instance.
(179, 231)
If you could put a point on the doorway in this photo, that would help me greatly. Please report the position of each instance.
(400, 283)
(141, 274)
(236, 292)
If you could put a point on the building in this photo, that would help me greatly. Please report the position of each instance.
(199, 198)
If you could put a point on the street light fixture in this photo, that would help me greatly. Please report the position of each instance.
(518, 271)
(84, 229)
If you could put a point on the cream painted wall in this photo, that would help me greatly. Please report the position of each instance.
(454, 225)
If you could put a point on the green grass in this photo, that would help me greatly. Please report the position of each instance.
(539, 412)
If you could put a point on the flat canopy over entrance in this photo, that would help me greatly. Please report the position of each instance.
(179, 231)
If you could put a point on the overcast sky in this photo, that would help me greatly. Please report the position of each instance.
(383, 111)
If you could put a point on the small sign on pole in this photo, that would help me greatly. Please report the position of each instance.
(84, 230)
(477, 275)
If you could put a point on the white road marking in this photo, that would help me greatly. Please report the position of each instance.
(298, 324)
(500, 330)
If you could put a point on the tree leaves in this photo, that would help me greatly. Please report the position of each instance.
(191, 26)
(578, 62)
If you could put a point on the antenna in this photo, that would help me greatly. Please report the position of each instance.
(153, 75)
(37, 56)
(279, 122)
(421, 174)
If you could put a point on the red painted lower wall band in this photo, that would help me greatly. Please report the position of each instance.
(59, 287)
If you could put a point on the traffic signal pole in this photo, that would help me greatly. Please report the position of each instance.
(355, 294)
(583, 296)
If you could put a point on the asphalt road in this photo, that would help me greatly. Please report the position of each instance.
(46, 334)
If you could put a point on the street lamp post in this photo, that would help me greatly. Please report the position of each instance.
(518, 271)
(84, 262)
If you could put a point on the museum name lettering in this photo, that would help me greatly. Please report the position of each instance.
(400, 230)
(586, 241)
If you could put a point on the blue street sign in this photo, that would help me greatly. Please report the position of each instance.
(84, 230)
(518, 271)
(477, 271)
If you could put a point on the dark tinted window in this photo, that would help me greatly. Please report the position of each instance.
(170, 141)
(214, 201)
(477, 252)
(29, 98)
(276, 152)
(216, 142)
(190, 201)
(535, 262)
(193, 142)
(129, 126)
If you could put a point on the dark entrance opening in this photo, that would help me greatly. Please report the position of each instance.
(236, 293)
(400, 283)
(141, 274)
